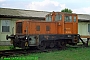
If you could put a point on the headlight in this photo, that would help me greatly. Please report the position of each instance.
(26, 38)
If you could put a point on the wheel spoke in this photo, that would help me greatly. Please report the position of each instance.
(52, 45)
(61, 44)
(42, 46)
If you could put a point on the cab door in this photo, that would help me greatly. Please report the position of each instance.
(68, 25)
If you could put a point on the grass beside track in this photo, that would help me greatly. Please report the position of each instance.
(4, 47)
(71, 53)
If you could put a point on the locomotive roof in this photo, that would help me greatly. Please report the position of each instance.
(62, 13)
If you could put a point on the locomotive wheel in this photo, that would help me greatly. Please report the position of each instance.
(42, 46)
(52, 45)
(61, 44)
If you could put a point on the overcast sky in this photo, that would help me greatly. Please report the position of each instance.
(77, 6)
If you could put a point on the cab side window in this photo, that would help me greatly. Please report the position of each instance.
(74, 18)
(58, 17)
(49, 18)
(68, 18)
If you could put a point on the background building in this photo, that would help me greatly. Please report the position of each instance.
(84, 24)
(8, 17)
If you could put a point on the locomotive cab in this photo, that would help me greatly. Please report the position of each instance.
(67, 22)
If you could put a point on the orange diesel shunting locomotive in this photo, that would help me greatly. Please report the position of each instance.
(58, 29)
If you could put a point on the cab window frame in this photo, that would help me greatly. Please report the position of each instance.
(58, 17)
(68, 18)
(48, 18)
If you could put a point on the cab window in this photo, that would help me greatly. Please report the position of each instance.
(74, 18)
(58, 17)
(68, 18)
(48, 18)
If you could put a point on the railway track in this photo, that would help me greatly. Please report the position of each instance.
(8, 53)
